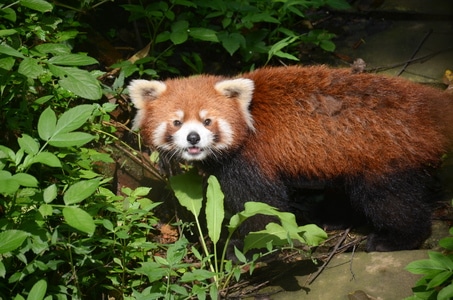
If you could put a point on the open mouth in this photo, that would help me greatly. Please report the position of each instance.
(194, 150)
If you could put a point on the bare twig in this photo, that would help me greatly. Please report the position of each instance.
(332, 253)
(416, 51)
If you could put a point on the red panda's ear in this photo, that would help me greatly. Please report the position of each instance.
(141, 91)
(242, 90)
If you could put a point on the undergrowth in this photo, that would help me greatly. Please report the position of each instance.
(65, 232)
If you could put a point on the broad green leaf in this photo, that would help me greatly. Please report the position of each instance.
(447, 243)
(79, 219)
(312, 234)
(25, 179)
(45, 210)
(214, 209)
(327, 45)
(53, 48)
(81, 190)
(47, 124)
(424, 266)
(2, 270)
(9, 14)
(273, 232)
(30, 67)
(231, 42)
(11, 240)
(178, 37)
(179, 32)
(439, 279)
(38, 291)
(7, 32)
(74, 118)
(153, 270)
(38, 5)
(7, 63)
(29, 144)
(177, 251)
(204, 34)
(6, 152)
(141, 192)
(72, 60)
(446, 293)
(5, 49)
(71, 139)
(188, 189)
(50, 193)
(80, 82)
(197, 275)
(47, 158)
(8, 185)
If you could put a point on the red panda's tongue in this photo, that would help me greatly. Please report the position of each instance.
(194, 150)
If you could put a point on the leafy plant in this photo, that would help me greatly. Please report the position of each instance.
(188, 190)
(437, 280)
(251, 29)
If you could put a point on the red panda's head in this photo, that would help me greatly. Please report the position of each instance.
(193, 118)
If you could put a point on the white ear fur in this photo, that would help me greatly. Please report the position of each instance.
(141, 91)
(242, 90)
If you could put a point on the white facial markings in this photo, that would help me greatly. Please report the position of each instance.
(159, 136)
(203, 140)
(180, 115)
(227, 134)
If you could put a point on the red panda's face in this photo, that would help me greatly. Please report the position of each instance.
(193, 118)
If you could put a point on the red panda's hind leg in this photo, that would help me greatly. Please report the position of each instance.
(398, 208)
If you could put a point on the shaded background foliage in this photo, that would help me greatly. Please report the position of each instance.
(67, 231)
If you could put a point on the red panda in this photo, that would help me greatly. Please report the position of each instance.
(269, 132)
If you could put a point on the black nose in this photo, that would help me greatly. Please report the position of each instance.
(193, 138)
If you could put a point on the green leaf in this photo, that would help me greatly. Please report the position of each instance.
(11, 240)
(204, 34)
(47, 124)
(197, 275)
(38, 5)
(77, 81)
(447, 243)
(7, 32)
(25, 179)
(71, 139)
(38, 291)
(45, 210)
(8, 185)
(179, 32)
(28, 144)
(73, 60)
(439, 279)
(74, 118)
(2, 270)
(9, 51)
(81, 190)
(50, 193)
(30, 67)
(446, 293)
(79, 219)
(153, 270)
(327, 45)
(425, 266)
(231, 42)
(188, 189)
(47, 158)
(214, 209)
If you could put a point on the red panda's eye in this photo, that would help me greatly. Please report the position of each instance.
(207, 122)
(177, 123)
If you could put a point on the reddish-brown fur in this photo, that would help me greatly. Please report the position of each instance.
(322, 123)
(373, 138)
